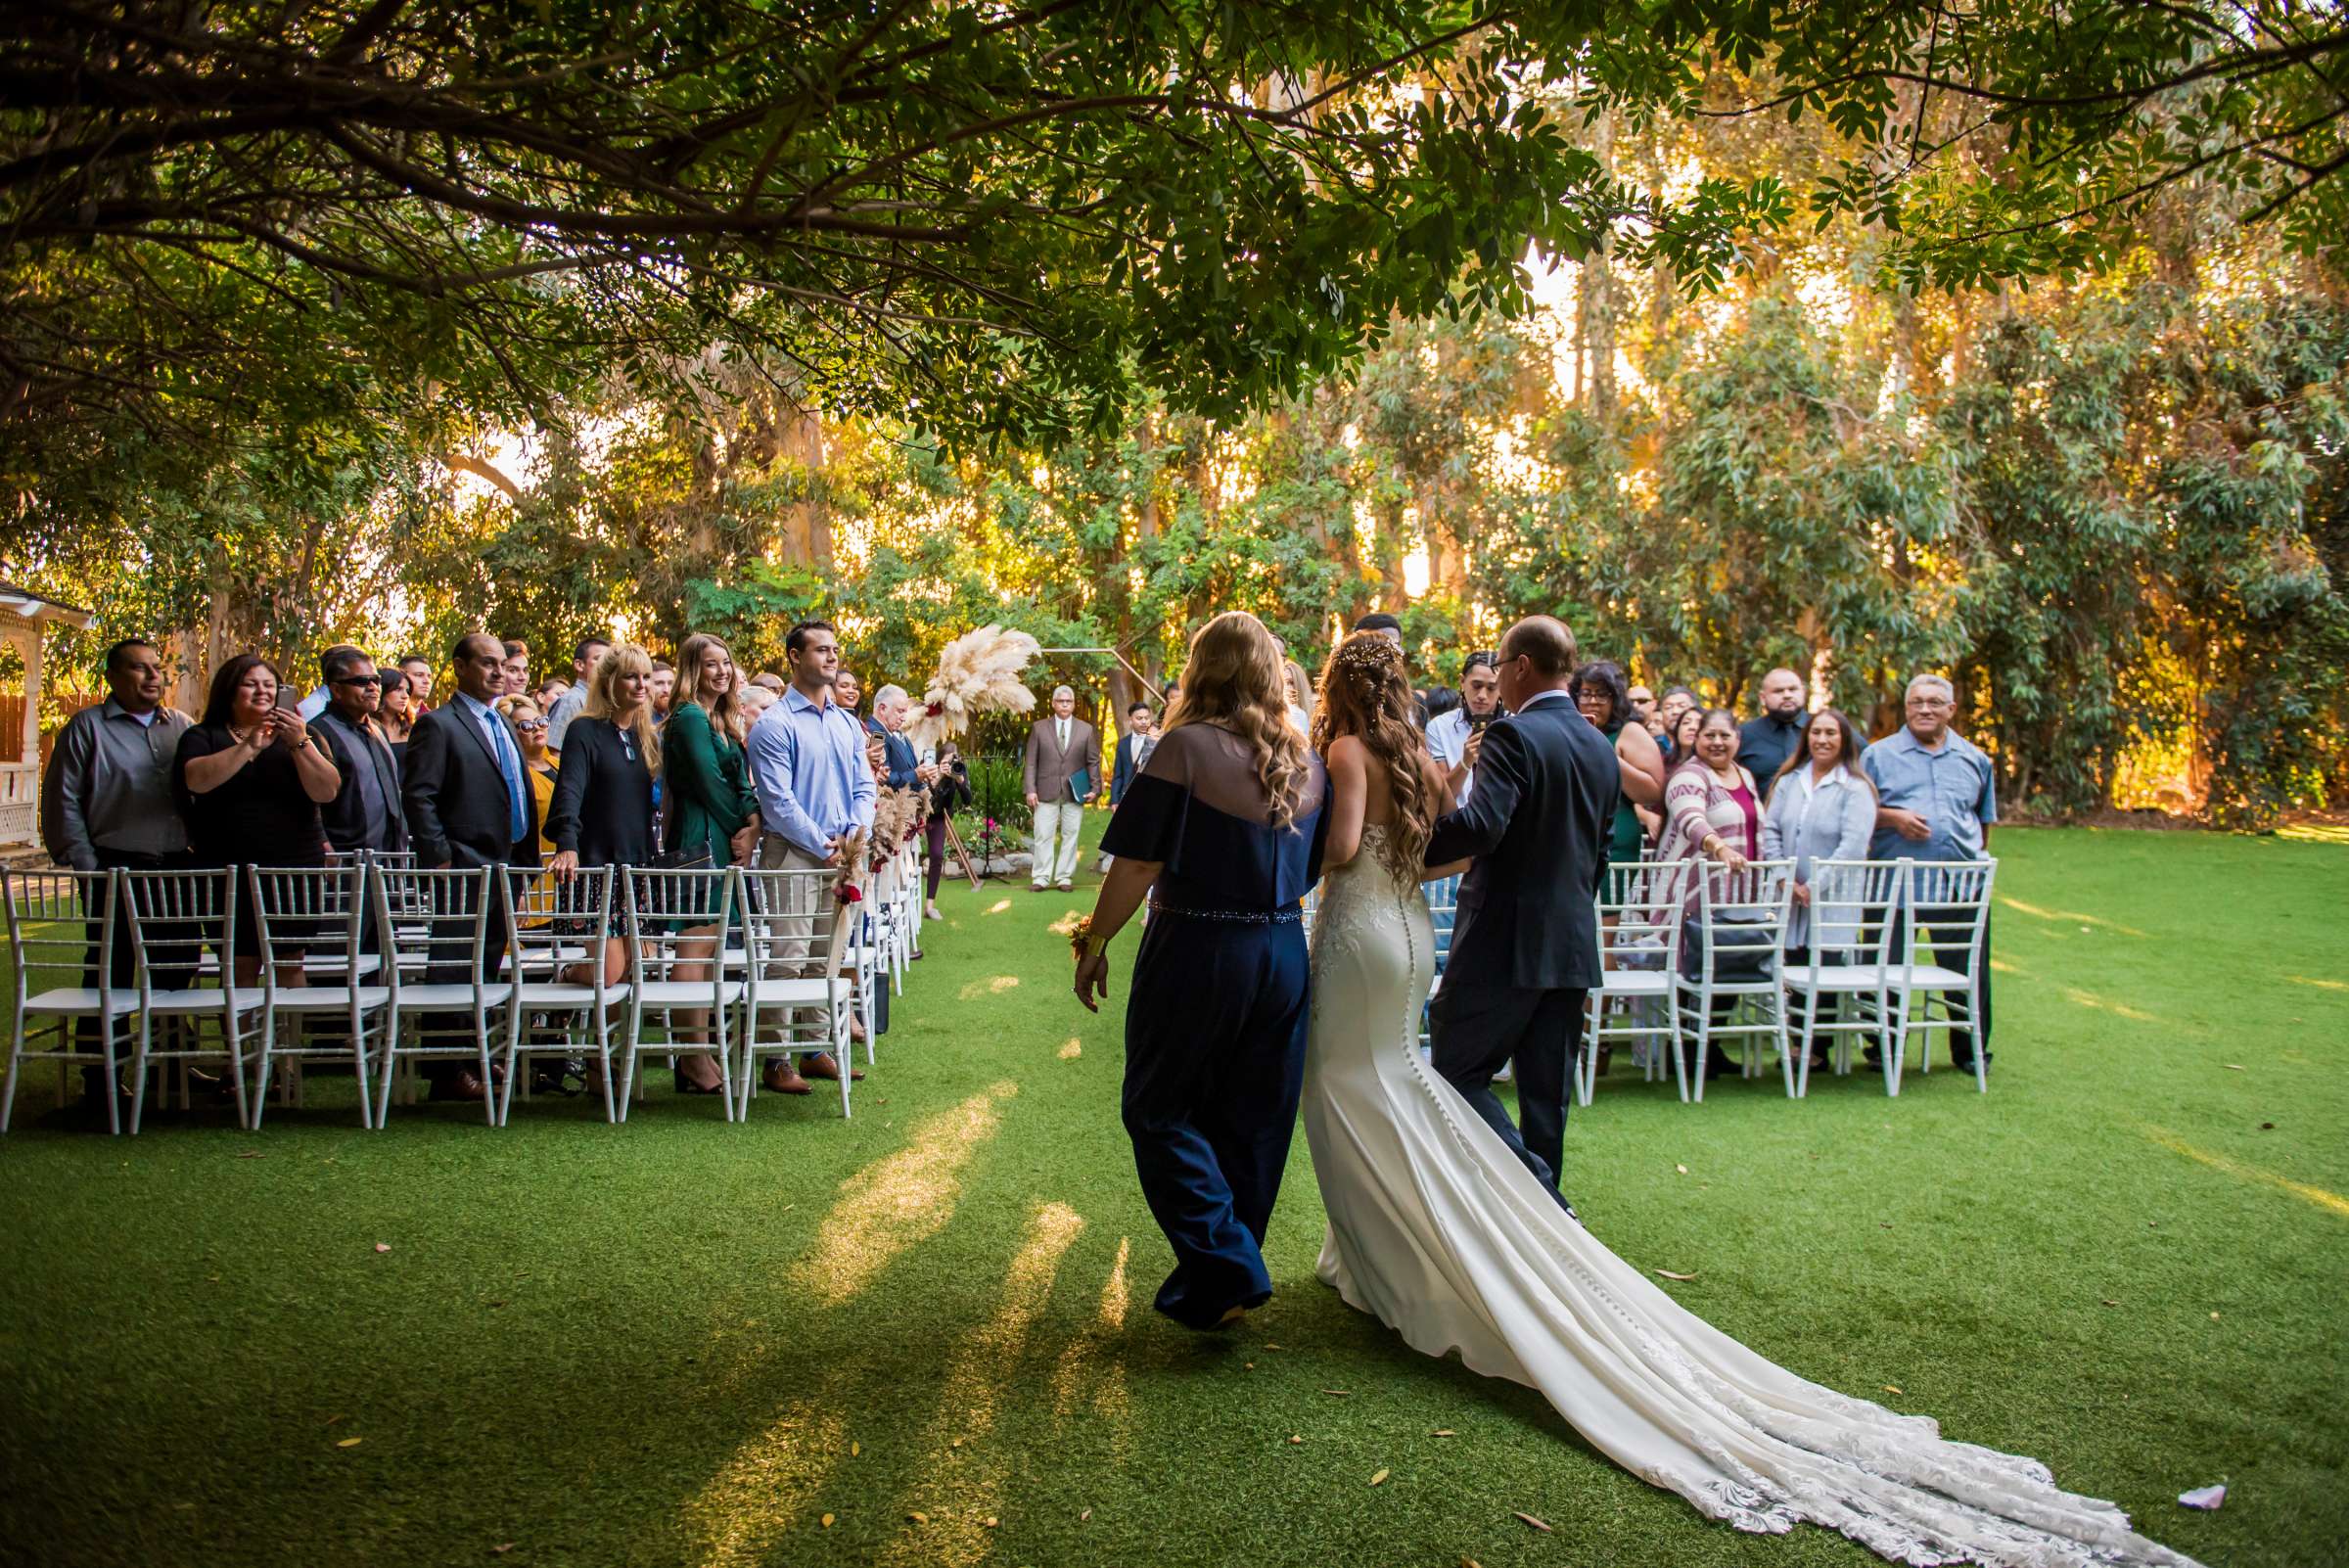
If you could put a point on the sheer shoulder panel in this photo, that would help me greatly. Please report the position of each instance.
(1217, 767)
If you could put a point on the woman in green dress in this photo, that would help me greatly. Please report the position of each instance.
(710, 808)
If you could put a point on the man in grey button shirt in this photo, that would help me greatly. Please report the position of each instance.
(105, 801)
(1936, 799)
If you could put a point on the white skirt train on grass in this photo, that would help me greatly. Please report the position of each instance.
(1438, 1230)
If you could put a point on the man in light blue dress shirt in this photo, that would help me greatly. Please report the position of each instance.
(1936, 799)
(807, 760)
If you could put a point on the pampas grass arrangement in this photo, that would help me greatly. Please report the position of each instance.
(979, 673)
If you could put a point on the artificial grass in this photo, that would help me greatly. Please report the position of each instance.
(681, 1342)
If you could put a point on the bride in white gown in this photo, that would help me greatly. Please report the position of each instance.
(1441, 1232)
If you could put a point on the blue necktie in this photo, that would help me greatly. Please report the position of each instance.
(511, 766)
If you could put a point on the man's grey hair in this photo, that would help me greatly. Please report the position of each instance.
(1058, 692)
(1938, 683)
(890, 694)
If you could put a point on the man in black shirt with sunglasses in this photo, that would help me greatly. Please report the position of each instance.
(366, 813)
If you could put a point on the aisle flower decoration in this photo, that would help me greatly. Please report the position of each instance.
(850, 888)
(978, 672)
(898, 819)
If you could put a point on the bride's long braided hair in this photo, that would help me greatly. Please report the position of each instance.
(1366, 693)
(1233, 679)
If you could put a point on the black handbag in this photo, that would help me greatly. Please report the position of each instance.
(1742, 954)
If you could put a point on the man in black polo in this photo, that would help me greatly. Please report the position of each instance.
(1764, 742)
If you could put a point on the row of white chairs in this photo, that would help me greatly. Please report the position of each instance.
(743, 964)
(1695, 954)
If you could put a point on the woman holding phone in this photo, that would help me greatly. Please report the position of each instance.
(249, 779)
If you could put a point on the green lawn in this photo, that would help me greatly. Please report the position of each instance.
(923, 1335)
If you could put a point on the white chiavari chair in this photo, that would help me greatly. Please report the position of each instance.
(667, 913)
(1731, 953)
(1938, 961)
(177, 918)
(441, 1004)
(797, 939)
(61, 933)
(1443, 909)
(1638, 930)
(310, 920)
(565, 1004)
(1854, 904)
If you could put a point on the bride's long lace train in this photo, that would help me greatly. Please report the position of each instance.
(1440, 1232)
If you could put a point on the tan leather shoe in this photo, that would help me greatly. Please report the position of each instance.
(821, 1065)
(781, 1078)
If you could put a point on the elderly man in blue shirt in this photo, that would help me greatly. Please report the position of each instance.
(1936, 799)
(806, 761)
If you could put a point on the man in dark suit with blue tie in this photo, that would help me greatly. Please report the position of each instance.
(1138, 724)
(470, 803)
(1525, 942)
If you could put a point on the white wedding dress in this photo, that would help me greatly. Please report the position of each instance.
(1439, 1231)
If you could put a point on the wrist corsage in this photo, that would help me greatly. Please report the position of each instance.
(1085, 944)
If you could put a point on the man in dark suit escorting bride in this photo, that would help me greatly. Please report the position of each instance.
(1525, 940)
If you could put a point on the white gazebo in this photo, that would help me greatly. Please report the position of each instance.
(23, 615)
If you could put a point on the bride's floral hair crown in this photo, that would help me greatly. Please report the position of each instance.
(1369, 660)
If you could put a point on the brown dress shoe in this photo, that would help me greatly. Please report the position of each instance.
(821, 1065)
(462, 1085)
(781, 1078)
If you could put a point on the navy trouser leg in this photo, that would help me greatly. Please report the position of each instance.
(1215, 1037)
(1475, 1029)
(1546, 1049)
(1251, 1115)
(1480, 1027)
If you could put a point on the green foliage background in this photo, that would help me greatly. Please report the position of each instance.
(1792, 397)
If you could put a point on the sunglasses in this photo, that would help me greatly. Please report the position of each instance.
(529, 724)
(360, 680)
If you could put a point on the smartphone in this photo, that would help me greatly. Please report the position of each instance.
(1477, 721)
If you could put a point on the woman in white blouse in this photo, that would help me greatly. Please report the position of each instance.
(1822, 807)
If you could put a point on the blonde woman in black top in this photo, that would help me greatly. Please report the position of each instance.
(602, 813)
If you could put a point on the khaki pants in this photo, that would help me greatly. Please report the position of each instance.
(1058, 826)
(794, 944)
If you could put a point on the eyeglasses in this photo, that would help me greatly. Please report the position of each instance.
(358, 680)
(528, 724)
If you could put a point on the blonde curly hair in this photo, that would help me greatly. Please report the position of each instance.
(1234, 678)
(603, 700)
(1366, 692)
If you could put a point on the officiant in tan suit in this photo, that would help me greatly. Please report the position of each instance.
(1063, 772)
